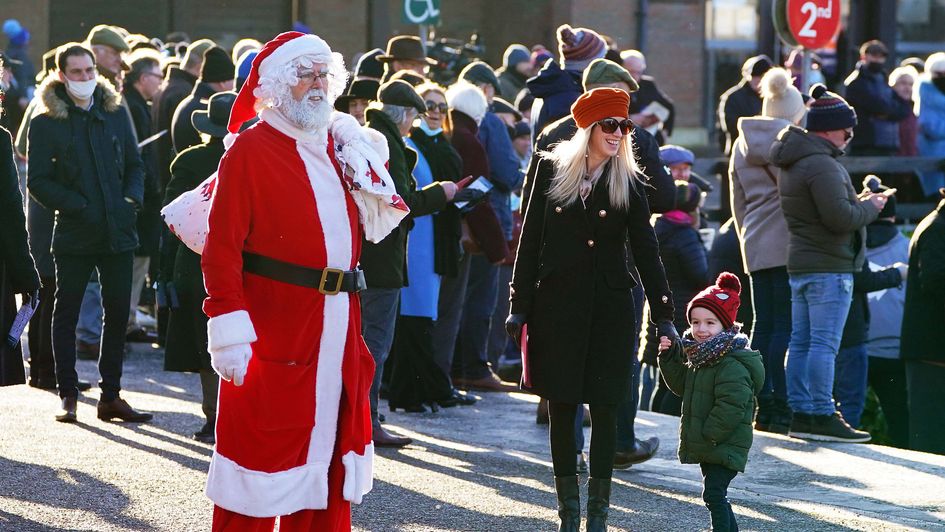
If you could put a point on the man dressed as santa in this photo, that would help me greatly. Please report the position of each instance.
(294, 195)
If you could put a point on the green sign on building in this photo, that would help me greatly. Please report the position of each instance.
(421, 12)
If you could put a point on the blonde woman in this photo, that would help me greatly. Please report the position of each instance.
(571, 286)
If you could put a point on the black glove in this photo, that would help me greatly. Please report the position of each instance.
(166, 295)
(513, 326)
(667, 329)
(471, 195)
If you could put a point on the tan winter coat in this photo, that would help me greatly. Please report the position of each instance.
(756, 204)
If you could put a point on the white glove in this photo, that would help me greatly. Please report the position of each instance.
(230, 362)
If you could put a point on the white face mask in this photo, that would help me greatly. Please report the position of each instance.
(81, 90)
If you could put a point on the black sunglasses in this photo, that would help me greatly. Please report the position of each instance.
(609, 125)
(433, 106)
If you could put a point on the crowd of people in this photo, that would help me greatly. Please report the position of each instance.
(508, 232)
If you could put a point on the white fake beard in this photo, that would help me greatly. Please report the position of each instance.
(307, 115)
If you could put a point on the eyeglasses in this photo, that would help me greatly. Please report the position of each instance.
(310, 76)
(433, 106)
(610, 125)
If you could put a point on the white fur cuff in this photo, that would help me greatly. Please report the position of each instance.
(359, 474)
(230, 329)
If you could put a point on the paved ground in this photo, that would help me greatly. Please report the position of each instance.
(477, 468)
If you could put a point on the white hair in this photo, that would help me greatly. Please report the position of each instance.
(271, 86)
(903, 71)
(635, 54)
(935, 64)
(468, 99)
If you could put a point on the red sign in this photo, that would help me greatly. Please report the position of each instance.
(813, 23)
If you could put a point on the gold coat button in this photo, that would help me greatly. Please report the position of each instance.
(590, 243)
(602, 213)
(558, 209)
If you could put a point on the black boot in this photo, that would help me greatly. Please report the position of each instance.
(782, 417)
(765, 413)
(569, 503)
(598, 502)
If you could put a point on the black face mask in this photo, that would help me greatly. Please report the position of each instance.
(875, 68)
(939, 83)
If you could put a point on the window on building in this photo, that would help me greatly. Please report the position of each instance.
(919, 26)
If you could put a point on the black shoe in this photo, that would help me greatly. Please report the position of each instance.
(832, 427)
(598, 504)
(642, 451)
(66, 412)
(206, 434)
(83, 386)
(510, 372)
(458, 398)
(781, 417)
(120, 409)
(765, 413)
(569, 503)
(800, 424)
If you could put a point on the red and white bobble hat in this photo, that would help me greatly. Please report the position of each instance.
(721, 298)
(274, 55)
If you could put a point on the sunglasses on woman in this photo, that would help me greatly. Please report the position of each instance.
(433, 106)
(609, 125)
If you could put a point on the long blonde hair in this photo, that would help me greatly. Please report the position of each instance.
(570, 162)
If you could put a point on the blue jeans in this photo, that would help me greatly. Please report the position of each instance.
(771, 301)
(378, 319)
(819, 306)
(849, 387)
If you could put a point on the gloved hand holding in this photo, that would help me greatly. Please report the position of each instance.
(667, 329)
(230, 362)
(513, 326)
(468, 194)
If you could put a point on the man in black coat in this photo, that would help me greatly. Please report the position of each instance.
(878, 108)
(217, 74)
(179, 83)
(744, 99)
(922, 322)
(84, 165)
(661, 196)
(635, 63)
(141, 84)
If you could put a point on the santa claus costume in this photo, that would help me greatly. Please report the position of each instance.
(289, 211)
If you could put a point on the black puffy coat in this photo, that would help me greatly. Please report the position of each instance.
(571, 281)
(83, 164)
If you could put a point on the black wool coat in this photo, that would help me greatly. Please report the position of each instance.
(186, 346)
(17, 272)
(183, 132)
(924, 316)
(149, 217)
(572, 282)
(83, 165)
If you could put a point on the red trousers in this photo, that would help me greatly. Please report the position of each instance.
(335, 518)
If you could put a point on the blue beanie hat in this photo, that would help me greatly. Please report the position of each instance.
(828, 111)
(244, 66)
(672, 154)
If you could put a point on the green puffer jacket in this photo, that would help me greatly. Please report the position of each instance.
(718, 405)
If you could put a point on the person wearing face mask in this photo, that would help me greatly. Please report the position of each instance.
(826, 222)
(932, 121)
(878, 107)
(84, 166)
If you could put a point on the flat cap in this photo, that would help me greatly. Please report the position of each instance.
(399, 92)
(108, 36)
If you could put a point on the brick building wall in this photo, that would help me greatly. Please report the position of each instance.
(676, 56)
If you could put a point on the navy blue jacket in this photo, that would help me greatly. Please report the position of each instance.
(878, 110)
(83, 164)
(504, 171)
(554, 90)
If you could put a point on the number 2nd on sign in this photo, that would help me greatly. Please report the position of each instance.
(813, 23)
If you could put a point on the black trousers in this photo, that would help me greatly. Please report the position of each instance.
(72, 274)
(42, 363)
(887, 376)
(926, 403)
(416, 378)
(715, 481)
(603, 438)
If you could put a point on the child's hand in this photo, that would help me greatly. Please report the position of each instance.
(665, 343)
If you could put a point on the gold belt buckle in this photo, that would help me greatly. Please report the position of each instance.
(324, 279)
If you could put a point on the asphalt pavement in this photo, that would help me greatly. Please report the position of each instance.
(480, 468)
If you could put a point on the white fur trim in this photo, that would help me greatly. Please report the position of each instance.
(304, 45)
(359, 474)
(230, 329)
(259, 494)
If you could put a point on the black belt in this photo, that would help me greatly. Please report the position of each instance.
(329, 281)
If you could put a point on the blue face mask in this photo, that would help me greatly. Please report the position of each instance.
(426, 129)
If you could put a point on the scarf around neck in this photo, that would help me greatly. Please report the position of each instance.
(710, 352)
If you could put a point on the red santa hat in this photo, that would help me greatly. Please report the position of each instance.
(276, 53)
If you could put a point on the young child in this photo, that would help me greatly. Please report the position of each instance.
(718, 378)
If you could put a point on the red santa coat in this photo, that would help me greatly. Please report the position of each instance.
(305, 396)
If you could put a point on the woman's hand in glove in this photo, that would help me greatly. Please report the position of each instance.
(513, 326)
(468, 194)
